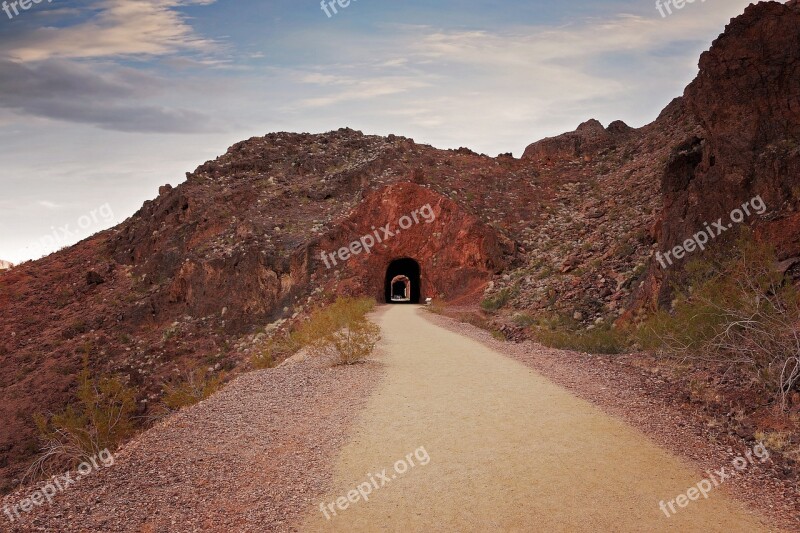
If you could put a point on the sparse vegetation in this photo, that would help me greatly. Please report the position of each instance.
(194, 385)
(355, 341)
(498, 300)
(102, 418)
(524, 320)
(264, 359)
(436, 307)
(562, 333)
(340, 330)
(735, 308)
(777, 441)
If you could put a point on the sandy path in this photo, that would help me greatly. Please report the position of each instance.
(508, 451)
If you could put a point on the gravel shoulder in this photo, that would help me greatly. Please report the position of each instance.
(253, 457)
(508, 449)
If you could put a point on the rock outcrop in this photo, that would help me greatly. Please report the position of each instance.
(746, 98)
(589, 140)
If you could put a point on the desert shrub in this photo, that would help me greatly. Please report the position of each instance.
(734, 308)
(498, 300)
(524, 320)
(436, 307)
(355, 341)
(341, 330)
(101, 418)
(601, 340)
(276, 349)
(263, 359)
(193, 386)
(498, 335)
(564, 334)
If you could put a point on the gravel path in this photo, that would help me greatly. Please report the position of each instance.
(627, 387)
(506, 449)
(252, 458)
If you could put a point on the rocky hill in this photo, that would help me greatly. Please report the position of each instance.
(205, 272)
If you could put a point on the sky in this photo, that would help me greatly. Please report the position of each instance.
(103, 101)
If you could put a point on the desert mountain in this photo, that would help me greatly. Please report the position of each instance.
(204, 272)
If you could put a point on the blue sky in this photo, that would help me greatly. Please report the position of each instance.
(102, 101)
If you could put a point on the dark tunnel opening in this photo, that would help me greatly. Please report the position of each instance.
(402, 285)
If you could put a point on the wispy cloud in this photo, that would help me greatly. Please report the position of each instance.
(79, 75)
(70, 70)
(117, 28)
(507, 85)
(338, 89)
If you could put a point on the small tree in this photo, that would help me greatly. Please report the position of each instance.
(193, 386)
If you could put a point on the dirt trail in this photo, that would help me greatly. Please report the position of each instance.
(509, 451)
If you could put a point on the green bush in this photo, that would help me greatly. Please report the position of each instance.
(498, 300)
(564, 334)
(524, 320)
(735, 308)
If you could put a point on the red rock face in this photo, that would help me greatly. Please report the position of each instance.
(457, 253)
(746, 98)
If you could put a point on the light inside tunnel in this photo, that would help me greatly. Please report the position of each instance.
(403, 282)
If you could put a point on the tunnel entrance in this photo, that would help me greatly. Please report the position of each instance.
(401, 289)
(403, 282)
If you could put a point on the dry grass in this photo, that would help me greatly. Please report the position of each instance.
(562, 333)
(777, 441)
(354, 342)
(436, 307)
(194, 385)
(340, 331)
(498, 300)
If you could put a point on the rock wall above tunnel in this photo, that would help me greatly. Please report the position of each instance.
(457, 253)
